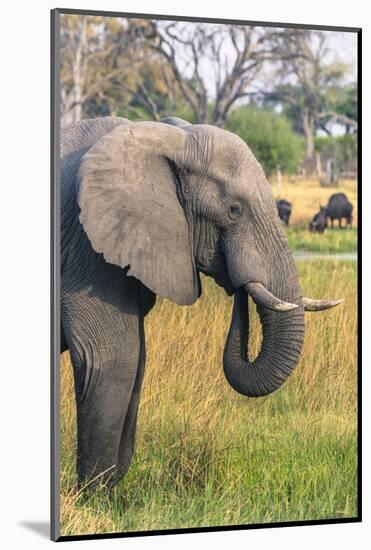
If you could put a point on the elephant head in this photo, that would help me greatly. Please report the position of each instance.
(167, 201)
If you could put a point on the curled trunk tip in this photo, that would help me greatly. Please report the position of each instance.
(283, 335)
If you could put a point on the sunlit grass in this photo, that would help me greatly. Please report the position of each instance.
(306, 197)
(331, 241)
(207, 456)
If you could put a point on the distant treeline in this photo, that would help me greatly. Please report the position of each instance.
(284, 91)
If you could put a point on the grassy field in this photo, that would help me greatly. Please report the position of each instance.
(206, 456)
(331, 241)
(306, 197)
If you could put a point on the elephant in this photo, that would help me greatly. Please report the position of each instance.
(339, 207)
(145, 208)
(319, 221)
(284, 208)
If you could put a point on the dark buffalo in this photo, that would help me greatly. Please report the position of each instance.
(284, 208)
(319, 221)
(340, 207)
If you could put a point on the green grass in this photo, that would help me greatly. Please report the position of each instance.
(331, 241)
(205, 455)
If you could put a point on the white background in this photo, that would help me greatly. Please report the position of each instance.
(24, 218)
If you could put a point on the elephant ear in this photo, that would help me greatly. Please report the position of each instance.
(127, 193)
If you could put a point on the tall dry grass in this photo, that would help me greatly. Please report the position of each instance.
(208, 456)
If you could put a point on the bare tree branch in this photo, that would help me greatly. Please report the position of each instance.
(338, 117)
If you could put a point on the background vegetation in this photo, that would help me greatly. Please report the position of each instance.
(269, 136)
(207, 73)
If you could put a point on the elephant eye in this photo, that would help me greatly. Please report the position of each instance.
(235, 210)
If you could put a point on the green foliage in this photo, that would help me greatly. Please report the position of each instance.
(182, 111)
(347, 146)
(333, 240)
(346, 101)
(293, 101)
(269, 136)
(330, 98)
(341, 148)
(135, 113)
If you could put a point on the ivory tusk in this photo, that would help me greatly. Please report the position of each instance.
(263, 297)
(319, 305)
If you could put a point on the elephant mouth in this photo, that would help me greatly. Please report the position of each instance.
(222, 281)
(219, 272)
(226, 285)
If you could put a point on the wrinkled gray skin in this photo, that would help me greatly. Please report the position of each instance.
(145, 207)
(340, 207)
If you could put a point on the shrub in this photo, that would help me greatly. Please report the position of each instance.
(269, 136)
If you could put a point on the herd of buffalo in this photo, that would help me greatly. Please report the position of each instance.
(338, 207)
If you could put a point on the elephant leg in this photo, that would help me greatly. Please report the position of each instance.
(127, 441)
(102, 328)
(101, 417)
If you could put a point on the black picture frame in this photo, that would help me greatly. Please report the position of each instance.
(55, 278)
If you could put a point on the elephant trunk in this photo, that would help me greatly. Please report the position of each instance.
(283, 335)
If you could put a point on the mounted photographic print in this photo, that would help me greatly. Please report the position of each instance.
(205, 274)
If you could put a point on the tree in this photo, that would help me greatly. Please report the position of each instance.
(102, 66)
(346, 107)
(341, 150)
(212, 67)
(308, 90)
(269, 136)
(150, 69)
